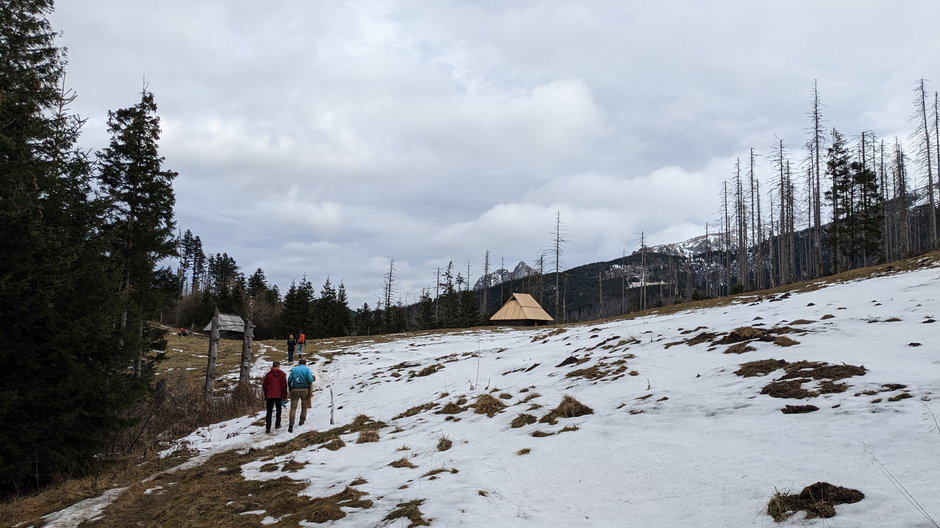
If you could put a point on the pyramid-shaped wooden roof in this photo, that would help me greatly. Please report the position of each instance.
(521, 307)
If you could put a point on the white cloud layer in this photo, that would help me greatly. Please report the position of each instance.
(324, 139)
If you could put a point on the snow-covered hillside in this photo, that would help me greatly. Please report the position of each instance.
(687, 425)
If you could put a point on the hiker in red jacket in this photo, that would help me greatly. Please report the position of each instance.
(274, 387)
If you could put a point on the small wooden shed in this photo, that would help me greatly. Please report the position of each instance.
(230, 325)
(521, 310)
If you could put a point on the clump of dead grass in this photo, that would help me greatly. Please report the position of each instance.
(817, 500)
(335, 444)
(760, 368)
(416, 409)
(785, 341)
(568, 408)
(368, 435)
(402, 462)
(428, 370)
(799, 409)
(488, 405)
(522, 419)
(523, 451)
(444, 443)
(410, 510)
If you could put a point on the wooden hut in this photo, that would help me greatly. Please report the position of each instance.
(230, 326)
(521, 310)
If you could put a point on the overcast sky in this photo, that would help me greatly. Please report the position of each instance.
(325, 138)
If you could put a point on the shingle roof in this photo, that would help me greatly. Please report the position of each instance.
(228, 322)
(521, 307)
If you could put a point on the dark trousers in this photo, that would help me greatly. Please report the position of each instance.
(273, 403)
(290, 355)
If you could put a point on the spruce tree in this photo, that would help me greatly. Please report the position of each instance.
(140, 218)
(63, 381)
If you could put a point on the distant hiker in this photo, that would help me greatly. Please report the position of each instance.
(300, 383)
(274, 387)
(290, 348)
(301, 339)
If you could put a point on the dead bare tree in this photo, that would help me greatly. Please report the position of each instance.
(922, 137)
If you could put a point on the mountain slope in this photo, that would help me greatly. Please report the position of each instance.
(677, 435)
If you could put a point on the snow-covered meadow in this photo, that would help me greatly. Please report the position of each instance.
(676, 438)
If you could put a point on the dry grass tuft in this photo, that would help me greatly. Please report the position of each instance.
(402, 462)
(785, 341)
(523, 451)
(799, 409)
(522, 419)
(541, 434)
(335, 444)
(530, 396)
(451, 408)
(488, 405)
(435, 472)
(739, 348)
(292, 465)
(359, 482)
(410, 510)
(444, 443)
(416, 409)
(368, 435)
(428, 370)
(817, 500)
(568, 408)
(760, 368)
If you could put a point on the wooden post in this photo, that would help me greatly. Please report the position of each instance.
(213, 353)
(244, 372)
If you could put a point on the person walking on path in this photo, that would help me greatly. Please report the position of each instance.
(301, 339)
(300, 383)
(291, 342)
(274, 387)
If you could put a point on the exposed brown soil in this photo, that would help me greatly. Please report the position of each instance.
(817, 500)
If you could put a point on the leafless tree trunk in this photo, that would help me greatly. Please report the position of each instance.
(213, 353)
(923, 136)
(815, 147)
(486, 284)
(559, 239)
(741, 219)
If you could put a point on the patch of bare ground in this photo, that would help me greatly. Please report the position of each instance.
(568, 408)
(215, 494)
(817, 500)
(410, 510)
(488, 405)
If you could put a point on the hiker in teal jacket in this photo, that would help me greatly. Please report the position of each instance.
(300, 385)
